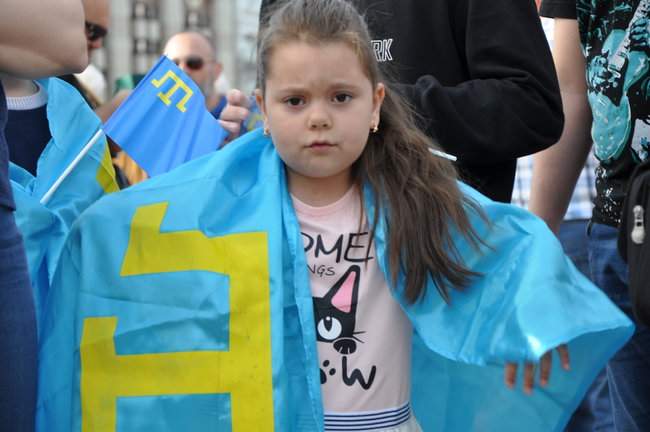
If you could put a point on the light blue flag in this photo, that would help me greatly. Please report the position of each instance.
(164, 122)
(183, 303)
(43, 226)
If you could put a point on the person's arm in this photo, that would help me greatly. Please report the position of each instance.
(556, 170)
(510, 106)
(42, 38)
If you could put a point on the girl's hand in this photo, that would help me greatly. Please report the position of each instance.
(544, 370)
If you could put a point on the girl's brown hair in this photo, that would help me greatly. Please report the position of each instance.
(418, 191)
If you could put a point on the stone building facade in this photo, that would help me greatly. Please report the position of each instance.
(140, 28)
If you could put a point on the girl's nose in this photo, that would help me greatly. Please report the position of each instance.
(319, 118)
(319, 124)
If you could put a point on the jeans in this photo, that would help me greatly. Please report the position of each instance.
(594, 414)
(17, 332)
(573, 236)
(628, 372)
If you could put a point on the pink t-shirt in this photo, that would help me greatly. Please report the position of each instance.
(364, 336)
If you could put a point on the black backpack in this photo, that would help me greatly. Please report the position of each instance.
(634, 240)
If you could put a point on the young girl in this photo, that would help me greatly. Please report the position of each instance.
(338, 128)
(332, 275)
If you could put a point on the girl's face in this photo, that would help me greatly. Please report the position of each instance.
(320, 107)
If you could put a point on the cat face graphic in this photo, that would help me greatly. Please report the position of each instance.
(335, 313)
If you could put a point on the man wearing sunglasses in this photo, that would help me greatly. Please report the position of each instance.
(97, 14)
(97, 22)
(91, 83)
(194, 54)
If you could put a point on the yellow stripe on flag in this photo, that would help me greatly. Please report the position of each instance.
(244, 371)
(106, 173)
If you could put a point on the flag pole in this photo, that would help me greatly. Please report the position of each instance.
(69, 168)
(443, 155)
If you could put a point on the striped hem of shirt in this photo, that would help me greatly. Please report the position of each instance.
(368, 421)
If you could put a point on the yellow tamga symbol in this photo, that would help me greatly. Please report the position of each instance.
(178, 84)
(244, 371)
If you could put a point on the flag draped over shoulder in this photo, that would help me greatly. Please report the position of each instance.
(529, 299)
(44, 226)
(183, 303)
(164, 122)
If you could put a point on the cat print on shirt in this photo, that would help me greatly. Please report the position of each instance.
(335, 317)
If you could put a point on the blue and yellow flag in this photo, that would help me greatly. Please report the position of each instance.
(164, 122)
(72, 124)
(183, 303)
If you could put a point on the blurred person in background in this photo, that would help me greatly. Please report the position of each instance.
(36, 39)
(594, 412)
(601, 52)
(91, 81)
(97, 22)
(195, 55)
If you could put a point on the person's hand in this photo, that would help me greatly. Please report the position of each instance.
(544, 370)
(235, 112)
(105, 111)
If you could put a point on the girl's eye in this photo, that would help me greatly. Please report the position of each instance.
(342, 98)
(294, 101)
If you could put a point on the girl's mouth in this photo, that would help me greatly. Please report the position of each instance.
(320, 144)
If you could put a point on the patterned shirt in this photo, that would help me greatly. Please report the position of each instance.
(364, 336)
(614, 36)
(581, 205)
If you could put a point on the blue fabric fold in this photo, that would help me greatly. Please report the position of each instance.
(529, 299)
(44, 227)
(147, 261)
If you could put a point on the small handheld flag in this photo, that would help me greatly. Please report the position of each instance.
(164, 122)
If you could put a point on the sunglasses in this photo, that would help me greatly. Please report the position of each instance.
(95, 31)
(192, 62)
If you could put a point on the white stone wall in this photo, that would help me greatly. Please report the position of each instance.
(139, 29)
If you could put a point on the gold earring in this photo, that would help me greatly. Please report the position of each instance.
(267, 132)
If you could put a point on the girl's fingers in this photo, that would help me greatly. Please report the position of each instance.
(510, 374)
(545, 368)
(529, 377)
(563, 351)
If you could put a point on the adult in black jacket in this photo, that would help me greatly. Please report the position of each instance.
(480, 74)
